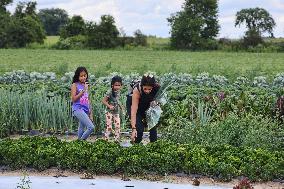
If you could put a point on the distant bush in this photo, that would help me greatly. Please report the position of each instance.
(75, 42)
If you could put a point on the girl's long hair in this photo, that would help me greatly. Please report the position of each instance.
(77, 74)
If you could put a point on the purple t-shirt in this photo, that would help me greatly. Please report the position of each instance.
(83, 102)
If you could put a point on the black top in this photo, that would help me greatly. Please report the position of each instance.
(146, 99)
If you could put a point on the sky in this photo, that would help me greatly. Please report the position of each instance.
(150, 16)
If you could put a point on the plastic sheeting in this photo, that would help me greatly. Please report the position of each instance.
(39, 182)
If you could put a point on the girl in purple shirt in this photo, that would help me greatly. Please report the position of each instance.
(80, 103)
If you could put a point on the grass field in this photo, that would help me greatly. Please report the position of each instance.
(153, 42)
(102, 62)
(51, 40)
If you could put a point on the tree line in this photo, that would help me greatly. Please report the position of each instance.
(195, 27)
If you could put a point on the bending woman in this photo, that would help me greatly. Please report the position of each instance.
(138, 101)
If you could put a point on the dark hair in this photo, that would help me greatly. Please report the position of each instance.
(116, 79)
(148, 81)
(77, 74)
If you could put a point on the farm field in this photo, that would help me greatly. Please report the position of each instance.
(223, 127)
(103, 62)
(145, 95)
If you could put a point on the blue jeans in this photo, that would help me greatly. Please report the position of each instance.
(84, 121)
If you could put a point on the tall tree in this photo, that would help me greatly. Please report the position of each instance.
(3, 4)
(195, 25)
(26, 9)
(102, 35)
(140, 38)
(75, 26)
(256, 19)
(25, 26)
(53, 19)
(5, 21)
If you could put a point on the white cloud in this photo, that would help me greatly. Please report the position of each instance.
(227, 19)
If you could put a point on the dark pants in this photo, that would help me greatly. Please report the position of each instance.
(140, 123)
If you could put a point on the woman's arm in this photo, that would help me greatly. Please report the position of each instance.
(134, 107)
(75, 97)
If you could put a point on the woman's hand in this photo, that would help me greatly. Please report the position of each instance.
(133, 134)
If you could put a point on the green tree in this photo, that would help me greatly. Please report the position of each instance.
(53, 19)
(195, 26)
(25, 26)
(5, 21)
(102, 35)
(3, 4)
(257, 21)
(140, 38)
(24, 31)
(26, 9)
(75, 26)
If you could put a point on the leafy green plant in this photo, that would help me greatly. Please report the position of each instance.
(200, 113)
(62, 68)
(102, 157)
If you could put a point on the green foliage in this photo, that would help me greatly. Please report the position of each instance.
(252, 42)
(4, 25)
(101, 157)
(62, 68)
(22, 28)
(252, 39)
(195, 26)
(139, 38)
(28, 109)
(102, 35)
(256, 19)
(3, 4)
(75, 26)
(198, 105)
(237, 131)
(78, 35)
(233, 117)
(26, 9)
(53, 19)
(4, 130)
(130, 43)
(74, 42)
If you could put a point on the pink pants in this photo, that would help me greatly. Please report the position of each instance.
(112, 118)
